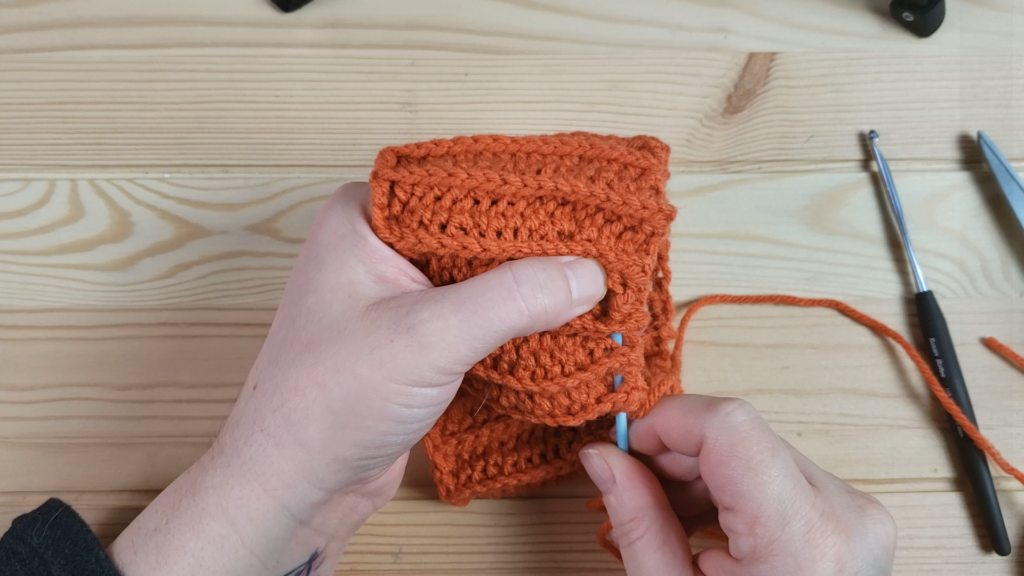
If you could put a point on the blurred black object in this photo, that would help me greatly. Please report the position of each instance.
(290, 5)
(922, 17)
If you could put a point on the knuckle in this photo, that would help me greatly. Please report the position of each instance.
(879, 528)
(348, 195)
(864, 537)
(633, 529)
(345, 215)
(339, 196)
(732, 411)
(528, 290)
(352, 189)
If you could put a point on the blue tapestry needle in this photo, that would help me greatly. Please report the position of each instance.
(621, 425)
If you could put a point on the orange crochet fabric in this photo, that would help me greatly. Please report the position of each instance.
(457, 208)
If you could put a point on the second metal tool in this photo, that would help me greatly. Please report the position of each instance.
(947, 370)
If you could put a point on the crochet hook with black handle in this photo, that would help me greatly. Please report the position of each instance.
(947, 370)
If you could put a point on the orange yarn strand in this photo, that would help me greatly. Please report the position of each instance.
(881, 329)
(876, 326)
(1004, 351)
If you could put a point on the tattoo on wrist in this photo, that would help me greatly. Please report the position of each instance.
(308, 567)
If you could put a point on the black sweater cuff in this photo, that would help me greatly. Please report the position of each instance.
(52, 540)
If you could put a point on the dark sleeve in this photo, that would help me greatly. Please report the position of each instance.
(52, 540)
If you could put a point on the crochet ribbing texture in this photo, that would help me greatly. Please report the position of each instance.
(460, 207)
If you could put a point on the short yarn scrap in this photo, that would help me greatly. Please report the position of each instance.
(460, 207)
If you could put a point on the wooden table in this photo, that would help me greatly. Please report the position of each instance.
(160, 163)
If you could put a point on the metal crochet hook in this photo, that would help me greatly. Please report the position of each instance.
(947, 370)
(1009, 181)
(621, 423)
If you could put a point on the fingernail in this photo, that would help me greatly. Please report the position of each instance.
(598, 470)
(586, 281)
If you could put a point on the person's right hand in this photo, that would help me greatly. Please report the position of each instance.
(716, 462)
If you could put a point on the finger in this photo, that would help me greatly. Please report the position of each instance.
(707, 519)
(342, 221)
(691, 501)
(688, 498)
(343, 262)
(647, 531)
(453, 327)
(753, 479)
(672, 466)
(817, 477)
(717, 562)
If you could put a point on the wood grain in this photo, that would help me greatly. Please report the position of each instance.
(230, 241)
(210, 241)
(132, 309)
(494, 26)
(160, 164)
(556, 535)
(145, 392)
(324, 113)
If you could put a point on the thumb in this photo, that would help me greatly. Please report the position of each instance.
(458, 325)
(646, 529)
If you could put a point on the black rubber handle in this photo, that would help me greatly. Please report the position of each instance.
(947, 370)
(922, 17)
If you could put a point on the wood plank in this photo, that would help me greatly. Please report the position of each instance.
(517, 537)
(210, 241)
(489, 26)
(828, 236)
(145, 391)
(556, 536)
(201, 242)
(135, 295)
(936, 535)
(176, 111)
(110, 383)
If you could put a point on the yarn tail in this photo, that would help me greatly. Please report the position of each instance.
(1004, 351)
(881, 329)
(876, 326)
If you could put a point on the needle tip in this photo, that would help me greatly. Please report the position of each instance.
(873, 135)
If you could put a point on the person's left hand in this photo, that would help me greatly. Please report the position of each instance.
(362, 358)
(365, 354)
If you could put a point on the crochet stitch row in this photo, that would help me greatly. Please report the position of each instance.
(457, 208)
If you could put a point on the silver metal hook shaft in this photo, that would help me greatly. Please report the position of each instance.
(897, 210)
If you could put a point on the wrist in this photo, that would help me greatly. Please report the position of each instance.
(228, 515)
(282, 494)
(303, 479)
